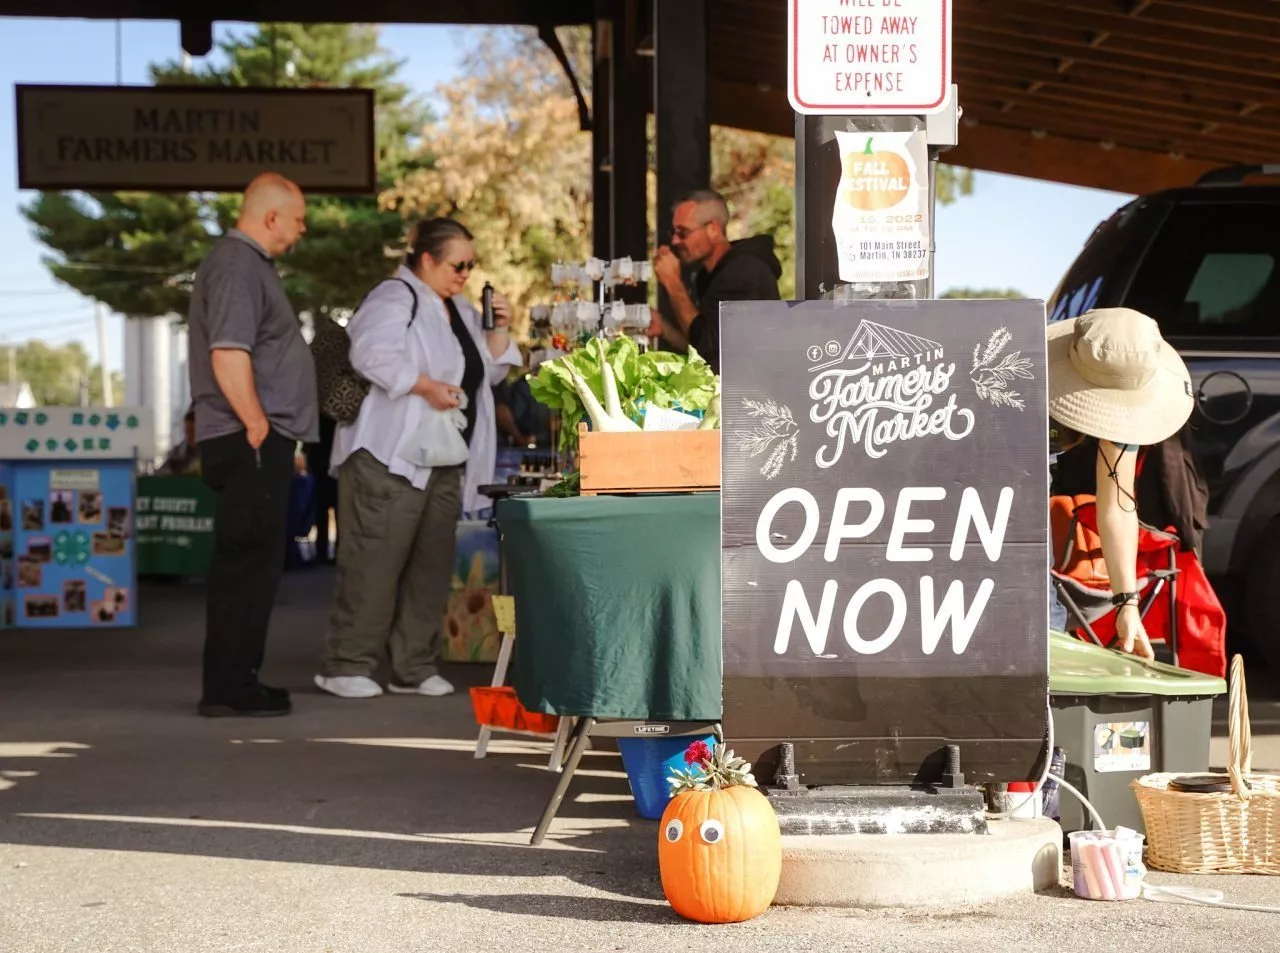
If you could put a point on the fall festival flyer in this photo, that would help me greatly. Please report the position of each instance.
(881, 215)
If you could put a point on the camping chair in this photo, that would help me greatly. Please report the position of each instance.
(1080, 580)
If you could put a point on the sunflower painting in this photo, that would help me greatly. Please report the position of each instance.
(470, 629)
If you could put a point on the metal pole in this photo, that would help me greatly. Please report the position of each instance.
(101, 315)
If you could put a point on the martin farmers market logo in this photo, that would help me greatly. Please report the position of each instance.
(883, 387)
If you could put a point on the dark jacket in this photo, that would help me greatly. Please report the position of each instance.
(749, 271)
(1170, 490)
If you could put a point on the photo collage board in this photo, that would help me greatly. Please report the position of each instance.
(67, 544)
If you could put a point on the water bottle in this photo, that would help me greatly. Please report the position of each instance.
(486, 312)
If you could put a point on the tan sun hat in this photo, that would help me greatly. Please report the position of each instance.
(1111, 375)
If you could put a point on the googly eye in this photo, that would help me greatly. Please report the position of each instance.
(674, 831)
(712, 832)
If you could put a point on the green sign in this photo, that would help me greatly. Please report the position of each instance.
(174, 525)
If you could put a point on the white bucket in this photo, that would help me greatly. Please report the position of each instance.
(1107, 865)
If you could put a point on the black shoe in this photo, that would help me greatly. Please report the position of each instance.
(273, 691)
(252, 704)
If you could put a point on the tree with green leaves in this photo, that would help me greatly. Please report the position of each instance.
(59, 376)
(137, 251)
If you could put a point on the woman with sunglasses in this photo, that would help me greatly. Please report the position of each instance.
(421, 346)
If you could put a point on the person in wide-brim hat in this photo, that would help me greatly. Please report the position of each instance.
(1112, 376)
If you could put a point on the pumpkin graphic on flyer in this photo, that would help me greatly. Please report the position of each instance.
(876, 180)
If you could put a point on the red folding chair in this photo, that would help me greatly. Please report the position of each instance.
(1080, 579)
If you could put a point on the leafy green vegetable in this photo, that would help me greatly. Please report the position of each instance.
(660, 378)
(571, 485)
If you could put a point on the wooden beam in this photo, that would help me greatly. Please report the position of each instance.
(1251, 9)
(458, 12)
(1131, 133)
(1039, 109)
(1087, 86)
(1025, 67)
(1136, 55)
(1245, 39)
(991, 148)
(742, 106)
(1043, 56)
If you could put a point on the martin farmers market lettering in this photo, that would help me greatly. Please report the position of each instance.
(873, 56)
(193, 138)
(222, 135)
(936, 615)
(897, 391)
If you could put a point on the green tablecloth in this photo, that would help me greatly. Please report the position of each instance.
(617, 604)
(174, 525)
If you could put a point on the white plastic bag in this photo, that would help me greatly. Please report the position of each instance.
(438, 441)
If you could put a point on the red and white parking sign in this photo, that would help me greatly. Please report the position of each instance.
(868, 57)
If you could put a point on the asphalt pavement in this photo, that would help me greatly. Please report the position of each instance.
(127, 823)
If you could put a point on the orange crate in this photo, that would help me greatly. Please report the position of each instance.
(499, 708)
(656, 462)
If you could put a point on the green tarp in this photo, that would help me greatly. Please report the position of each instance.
(617, 604)
(174, 526)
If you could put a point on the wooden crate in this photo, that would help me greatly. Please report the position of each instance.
(659, 462)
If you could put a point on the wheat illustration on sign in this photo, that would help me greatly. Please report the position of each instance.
(993, 380)
(776, 434)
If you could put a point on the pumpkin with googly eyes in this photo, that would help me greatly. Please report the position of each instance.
(719, 846)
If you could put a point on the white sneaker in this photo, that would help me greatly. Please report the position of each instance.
(350, 686)
(434, 686)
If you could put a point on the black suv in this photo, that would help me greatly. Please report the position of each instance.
(1204, 262)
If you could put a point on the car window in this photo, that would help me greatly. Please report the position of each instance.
(1227, 284)
(1097, 276)
(1212, 272)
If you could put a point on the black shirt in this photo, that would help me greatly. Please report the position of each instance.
(749, 271)
(473, 372)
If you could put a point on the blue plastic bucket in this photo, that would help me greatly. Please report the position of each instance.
(649, 762)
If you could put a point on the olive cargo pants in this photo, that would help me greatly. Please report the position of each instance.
(395, 565)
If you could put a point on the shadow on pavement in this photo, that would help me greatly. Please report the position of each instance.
(603, 909)
(100, 748)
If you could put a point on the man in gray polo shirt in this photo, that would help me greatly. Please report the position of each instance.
(253, 383)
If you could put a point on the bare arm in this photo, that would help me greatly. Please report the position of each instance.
(666, 268)
(1118, 530)
(233, 370)
(660, 328)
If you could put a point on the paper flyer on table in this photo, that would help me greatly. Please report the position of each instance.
(881, 216)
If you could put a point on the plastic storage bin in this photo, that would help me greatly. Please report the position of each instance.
(1118, 717)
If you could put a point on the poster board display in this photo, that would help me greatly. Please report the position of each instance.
(72, 545)
(67, 515)
(884, 537)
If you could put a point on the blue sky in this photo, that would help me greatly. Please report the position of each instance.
(1011, 232)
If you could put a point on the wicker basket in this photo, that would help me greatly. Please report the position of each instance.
(1235, 832)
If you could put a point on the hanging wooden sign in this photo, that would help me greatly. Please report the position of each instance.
(194, 138)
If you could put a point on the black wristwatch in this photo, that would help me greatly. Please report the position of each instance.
(1126, 599)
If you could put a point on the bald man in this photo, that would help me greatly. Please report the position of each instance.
(253, 384)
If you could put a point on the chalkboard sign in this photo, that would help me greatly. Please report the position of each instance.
(884, 551)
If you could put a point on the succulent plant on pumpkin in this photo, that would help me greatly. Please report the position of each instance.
(719, 846)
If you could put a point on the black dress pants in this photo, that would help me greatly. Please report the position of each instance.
(248, 557)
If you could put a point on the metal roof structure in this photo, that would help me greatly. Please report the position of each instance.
(1128, 95)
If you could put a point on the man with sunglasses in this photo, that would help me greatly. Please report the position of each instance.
(745, 270)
